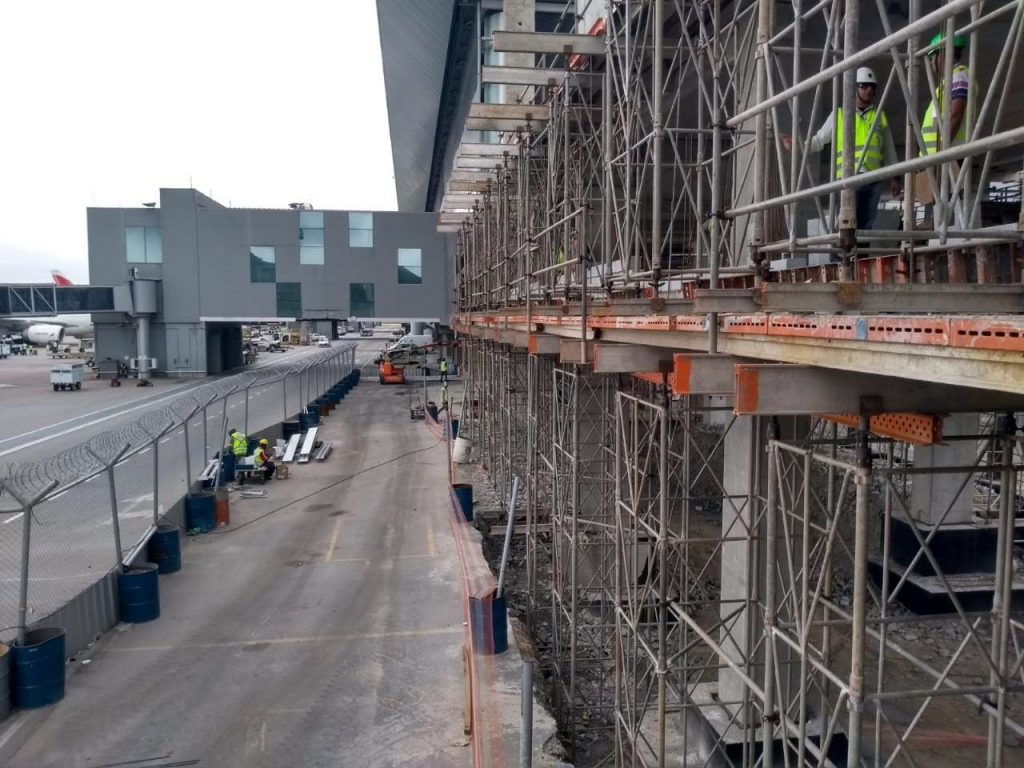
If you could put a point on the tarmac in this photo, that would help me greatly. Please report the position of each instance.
(38, 422)
(323, 627)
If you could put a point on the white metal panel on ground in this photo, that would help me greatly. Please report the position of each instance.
(307, 445)
(293, 446)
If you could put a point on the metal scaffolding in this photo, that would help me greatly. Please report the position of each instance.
(714, 578)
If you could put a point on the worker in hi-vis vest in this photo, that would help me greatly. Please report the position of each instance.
(873, 148)
(262, 459)
(239, 444)
(931, 122)
(443, 369)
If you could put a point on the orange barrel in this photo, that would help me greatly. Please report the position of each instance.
(222, 508)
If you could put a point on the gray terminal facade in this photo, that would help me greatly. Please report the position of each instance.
(218, 267)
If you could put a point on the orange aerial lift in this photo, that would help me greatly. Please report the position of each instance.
(389, 373)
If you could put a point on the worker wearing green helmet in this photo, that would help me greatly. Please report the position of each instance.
(956, 103)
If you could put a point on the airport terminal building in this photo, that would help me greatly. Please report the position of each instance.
(200, 270)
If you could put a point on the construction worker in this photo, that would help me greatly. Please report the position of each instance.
(444, 397)
(443, 368)
(931, 122)
(239, 444)
(873, 148)
(263, 460)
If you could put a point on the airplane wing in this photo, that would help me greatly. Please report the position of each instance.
(14, 324)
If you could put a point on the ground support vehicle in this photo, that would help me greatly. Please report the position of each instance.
(66, 377)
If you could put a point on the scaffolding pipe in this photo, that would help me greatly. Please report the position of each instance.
(863, 56)
(992, 143)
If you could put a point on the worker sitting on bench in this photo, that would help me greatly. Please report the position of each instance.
(263, 460)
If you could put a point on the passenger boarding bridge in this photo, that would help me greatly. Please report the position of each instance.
(47, 300)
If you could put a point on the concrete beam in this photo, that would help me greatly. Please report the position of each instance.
(483, 149)
(521, 113)
(475, 163)
(514, 338)
(697, 373)
(462, 199)
(547, 42)
(796, 389)
(725, 300)
(868, 298)
(464, 175)
(631, 358)
(540, 344)
(535, 76)
(470, 186)
(496, 124)
(571, 351)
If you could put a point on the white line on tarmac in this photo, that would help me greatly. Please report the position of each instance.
(47, 438)
(176, 391)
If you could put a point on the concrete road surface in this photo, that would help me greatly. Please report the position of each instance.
(323, 633)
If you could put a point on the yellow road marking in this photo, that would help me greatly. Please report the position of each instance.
(293, 640)
(334, 541)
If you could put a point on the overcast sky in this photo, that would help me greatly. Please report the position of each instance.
(254, 102)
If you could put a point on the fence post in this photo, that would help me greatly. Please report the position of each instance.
(224, 435)
(284, 396)
(113, 496)
(26, 541)
(188, 454)
(156, 471)
(247, 388)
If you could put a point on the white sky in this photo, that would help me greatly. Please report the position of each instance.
(259, 103)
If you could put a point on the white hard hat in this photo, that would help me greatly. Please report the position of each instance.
(866, 75)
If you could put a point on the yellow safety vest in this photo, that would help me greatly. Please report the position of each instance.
(444, 366)
(239, 444)
(867, 154)
(259, 458)
(931, 124)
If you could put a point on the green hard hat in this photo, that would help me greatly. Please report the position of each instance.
(959, 41)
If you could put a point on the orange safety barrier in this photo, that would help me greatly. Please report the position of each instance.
(974, 333)
(916, 428)
(997, 333)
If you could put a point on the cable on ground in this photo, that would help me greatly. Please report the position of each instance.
(336, 483)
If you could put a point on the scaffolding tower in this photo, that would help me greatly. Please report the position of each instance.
(771, 457)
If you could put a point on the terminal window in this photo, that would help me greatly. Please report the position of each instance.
(143, 245)
(262, 264)
(410, 266)
(311, 237)
(289, 300)
(360, 230)
(360, 299)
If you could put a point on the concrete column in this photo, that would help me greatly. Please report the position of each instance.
(742, 444)
(744, 455)
(932, 495)
(517, 16)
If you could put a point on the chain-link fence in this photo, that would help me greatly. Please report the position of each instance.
(71, 541)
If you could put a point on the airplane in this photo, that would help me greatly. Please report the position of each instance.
(61, 329)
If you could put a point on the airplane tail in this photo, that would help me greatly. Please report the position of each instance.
(59, 279)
